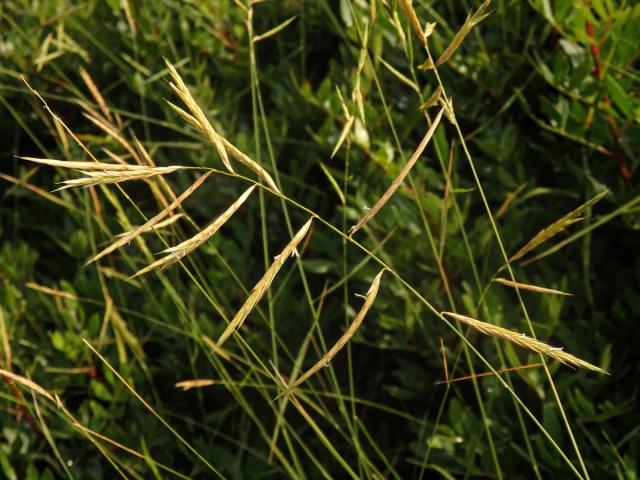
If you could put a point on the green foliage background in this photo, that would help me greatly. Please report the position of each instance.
(551, 115)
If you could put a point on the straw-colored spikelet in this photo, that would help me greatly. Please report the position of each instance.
(265, 282)
(152, 222)
(113, 133)
(95, 92)
(433, 99)
(413, 19)
(93, 178)
(50, 291)
(195, 383)
(343, 135)
(251, 164)
(201, 119)
(100, 173)
(557, 226)
(25, 382)
(198, 119)
(158, 226)
(523, 341)
(472, 20)
(233, 150)
(342, 341)
(185, 248)
(400, 178)
(532, 288)
(84, 166)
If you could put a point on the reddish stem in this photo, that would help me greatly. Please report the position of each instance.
(595, 52)
(625, 173)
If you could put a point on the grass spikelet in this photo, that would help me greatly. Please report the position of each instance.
(400, 178)
(531, 288)
(95, 92)
(152, 222)
(447, 104)
(334, 183)
(185, 248)
(342, 341)
(251, 164)
(187, 117)
(524, 341)
(195, 383)
(197, 118)
(180, 88)
(433, 99)
(265, 282)
(158, 226)
(50, 291)
(556, 227)
(426, 65)
(25, 382)
(222, 353)
(472, 20)
(106, 167)
(93, 178)
(343, 135)
(407, 7)
(113, 133)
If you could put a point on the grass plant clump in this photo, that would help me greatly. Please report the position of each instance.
(412, 150)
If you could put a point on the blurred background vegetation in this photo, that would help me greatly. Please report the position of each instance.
(546, 96)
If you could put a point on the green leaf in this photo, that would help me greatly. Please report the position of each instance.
(620, 98)
(7, 468)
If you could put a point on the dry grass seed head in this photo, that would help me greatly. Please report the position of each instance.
(342, 341)
(400, 178)
(472, 20)
(152, 222)
(113, 133)
(195, 383)
(264, 283)
(180, 88)
(95, 92)
(25, 382)
(433, 99)
(524, 341)
(93, 178)
(100, 166)
(343, 135)
(529, 287)
(407, 6)
(251, 164)
(185, 248)
(557, 226)
(199, 120)
(187, 117)
(158, 226)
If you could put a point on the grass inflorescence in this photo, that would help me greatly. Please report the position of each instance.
(242, 147)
